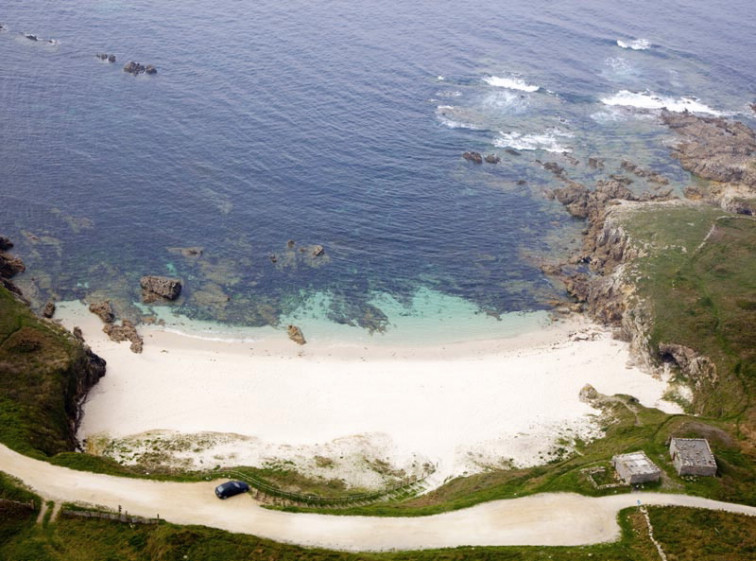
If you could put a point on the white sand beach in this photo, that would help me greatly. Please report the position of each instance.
(350, 410)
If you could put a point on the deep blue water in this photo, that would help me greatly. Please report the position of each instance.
(341, 124)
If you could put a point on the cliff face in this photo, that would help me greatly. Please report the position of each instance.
(45, 374)
(596, 277)
(678, 291)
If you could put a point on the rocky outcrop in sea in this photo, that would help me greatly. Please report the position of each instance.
(136, 68)
(719, 150)
(157, 288)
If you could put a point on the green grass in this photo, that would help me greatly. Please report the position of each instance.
(685, 534)
(693, 534)
(15, 519)
(12, 489)
(700, 279)
(91, 539)
(39, 364)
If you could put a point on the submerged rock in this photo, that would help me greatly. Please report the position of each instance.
(652, 176)
(188, 252)
(295, 334)
(553, 167)
(105, 56)
(155, 288)
(492, 159)
(596, 163)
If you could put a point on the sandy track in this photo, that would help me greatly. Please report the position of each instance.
(547, 519)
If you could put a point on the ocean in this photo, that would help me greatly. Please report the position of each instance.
(271, 128)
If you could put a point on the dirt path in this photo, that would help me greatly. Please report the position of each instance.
(547, 519)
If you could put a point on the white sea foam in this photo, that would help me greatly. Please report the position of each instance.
(549, 141)
(511, 83)
(650, 100)
(635, 45)
(453, 117)
(619, 66)
(449, 93)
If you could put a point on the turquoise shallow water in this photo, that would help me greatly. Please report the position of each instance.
(430, 319)
(339, 124)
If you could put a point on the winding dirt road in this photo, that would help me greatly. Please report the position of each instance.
(547, 519)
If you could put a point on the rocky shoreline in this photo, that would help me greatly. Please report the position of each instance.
(35, 349)
(715, 149)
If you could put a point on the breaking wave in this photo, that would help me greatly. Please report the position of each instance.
(451, 116)
(635, 45)
(549, 142)
(511, 83)
(650, 100)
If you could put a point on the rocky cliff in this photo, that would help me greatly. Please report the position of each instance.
(45, 374)
(603, 276)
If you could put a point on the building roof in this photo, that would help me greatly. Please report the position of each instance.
(694, 452)
(637, 463)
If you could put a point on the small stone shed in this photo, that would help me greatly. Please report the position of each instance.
(692, 456)
(636, 468)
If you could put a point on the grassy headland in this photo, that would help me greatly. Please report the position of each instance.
(44, 373)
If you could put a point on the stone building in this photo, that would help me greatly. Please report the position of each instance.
(636, 468)
(692, 456)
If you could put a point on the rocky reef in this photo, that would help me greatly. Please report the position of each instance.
(602, 278)
(721, 151)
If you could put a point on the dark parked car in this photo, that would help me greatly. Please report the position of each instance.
(231, 488)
